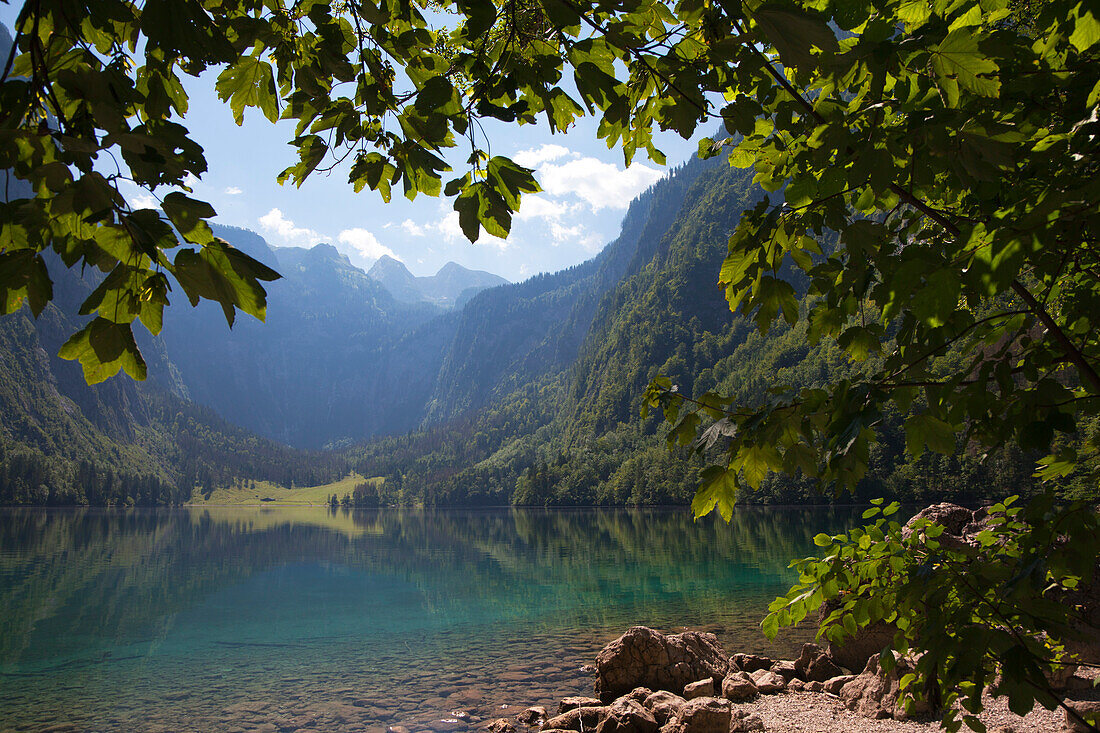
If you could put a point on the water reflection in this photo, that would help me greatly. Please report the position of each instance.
(103, 609)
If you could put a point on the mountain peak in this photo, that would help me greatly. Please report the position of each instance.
(442, 289)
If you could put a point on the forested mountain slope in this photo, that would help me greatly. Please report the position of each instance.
(565, 429)
(64, 442)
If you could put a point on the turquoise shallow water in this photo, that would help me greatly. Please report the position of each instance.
(283, 619)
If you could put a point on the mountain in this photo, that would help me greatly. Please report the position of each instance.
(63, 441)
(538, 396)
(305, 376)
(451, 287)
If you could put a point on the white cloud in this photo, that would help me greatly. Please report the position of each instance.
(412, 228)
(365, 243)
(233, 191)
(144, 201)
(534, 157)
(600, 185)
(541, 207)
(290, 235)
(191, 180)
(449, 227)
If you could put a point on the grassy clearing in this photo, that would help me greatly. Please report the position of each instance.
(266, 493)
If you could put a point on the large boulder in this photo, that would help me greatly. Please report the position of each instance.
(852, 652)
(876, 693)
(953, 518)
(643, 657)
(814, 665)
(701, 715)
(627, 715)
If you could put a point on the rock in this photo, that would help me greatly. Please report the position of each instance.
(626, 715)
(834, 684)
(702, 688)
(701, 715)
(814, 665)
(743, 721)
(1088, 709)
(795, 685)
(875, 693)
(639, 694)
(952, 517)
(663, 705)
(815, 686)
(532, 716)
(643, 657)
(786, 670)
(853, 652)
(738, 687)
(583, 718)
(767, 681)
(751, 662)
(570, 703)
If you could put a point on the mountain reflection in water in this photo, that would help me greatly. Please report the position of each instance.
(222, 618)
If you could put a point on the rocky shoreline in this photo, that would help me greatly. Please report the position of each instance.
(648, 682)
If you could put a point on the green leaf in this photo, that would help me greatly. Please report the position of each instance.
(224, 274)
(188, 216)
(958, 59)
(102, 348)
(1086, 27)
(794, 32)
(23, 275)
(717, 488)
(248, 83)
(928, 430)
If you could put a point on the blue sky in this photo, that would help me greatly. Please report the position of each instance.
(586, 192)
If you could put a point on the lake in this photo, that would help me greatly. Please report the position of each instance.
(283, 619)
